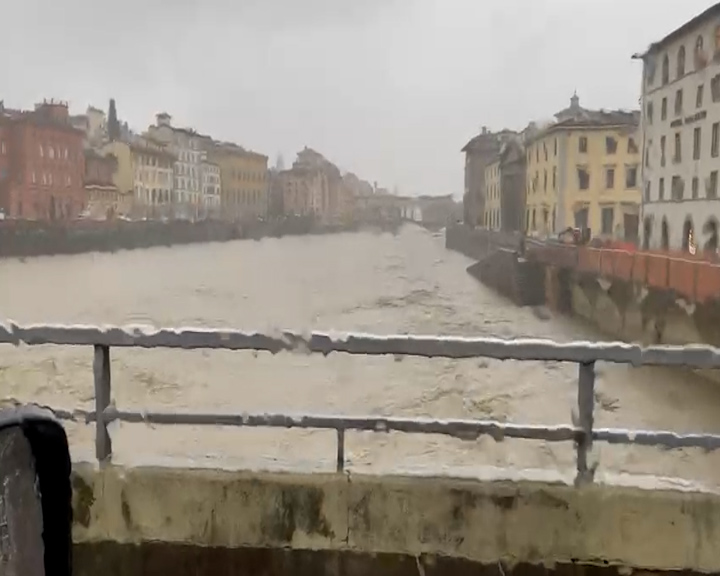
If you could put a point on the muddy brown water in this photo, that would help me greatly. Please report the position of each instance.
(408, 283)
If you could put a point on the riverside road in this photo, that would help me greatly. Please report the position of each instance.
(407, 283)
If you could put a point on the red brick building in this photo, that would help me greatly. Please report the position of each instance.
(42, 164)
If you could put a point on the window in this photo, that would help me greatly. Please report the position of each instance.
(665, 70)
(632, 146)
(583, 178)
(681, 62)
(696, 143)
(677, 156)
(661, 189)
(663, 109)
(610, 145)
(695, 186)
(51, 152)
(678, 102)
(555, 146)
(631, 173)
(537, 156)
(42, 151)
(699, 96)
(662, 150)
(677, 188)
(33, 178)
(609, 178)
(608, 216)
(649, 112)
(715, 140)
(650, 68)
(700, 60)
(545, 151)
(647, 192)
(583, 145)
(715, 88)
(545, 180)
(554, 177)
(713, 185)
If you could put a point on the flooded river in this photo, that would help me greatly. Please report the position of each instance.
(366, 282)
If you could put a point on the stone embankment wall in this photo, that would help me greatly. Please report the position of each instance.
(159, 521)
(23, 239)
(499, 265)
(477, 243)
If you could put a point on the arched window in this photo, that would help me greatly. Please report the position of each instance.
(700, 58)
(681, 62)
(710, 229)
(666, 69)
(647, 232)
(665, 237)
(688, 239)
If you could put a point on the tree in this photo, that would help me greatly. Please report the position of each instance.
(113, 126)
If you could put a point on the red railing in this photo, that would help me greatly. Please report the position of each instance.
(694, 277)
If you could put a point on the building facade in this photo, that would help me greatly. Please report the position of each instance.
(104, 200)
(211, 189)
(244, 181)
(305, 191)
(479, 152)
(491, 220)
(512, 185)
(681, 132)
(145, 171)
(185, 145)
(42, 164)
(583, 171)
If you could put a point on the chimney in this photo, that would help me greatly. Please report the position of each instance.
(484, 130)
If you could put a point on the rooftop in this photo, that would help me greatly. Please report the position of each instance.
(686, 28)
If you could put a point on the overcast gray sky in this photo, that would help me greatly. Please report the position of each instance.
(389, 89)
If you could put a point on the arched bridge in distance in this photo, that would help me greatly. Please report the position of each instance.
(182, 521)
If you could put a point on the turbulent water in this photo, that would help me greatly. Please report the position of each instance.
(377, 283)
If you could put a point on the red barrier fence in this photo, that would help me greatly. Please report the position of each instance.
(694, 277)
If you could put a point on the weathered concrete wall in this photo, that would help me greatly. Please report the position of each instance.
(482, 522)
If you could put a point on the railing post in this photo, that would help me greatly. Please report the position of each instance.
(586, 406)
(101, 371)
(340, 449)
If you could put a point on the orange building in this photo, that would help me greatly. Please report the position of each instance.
(42, 164)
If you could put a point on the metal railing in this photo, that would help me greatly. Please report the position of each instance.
(585, 354)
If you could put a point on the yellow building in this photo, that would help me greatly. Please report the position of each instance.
(244, 181)
(583, 171)
(492, 195)
(145, 174)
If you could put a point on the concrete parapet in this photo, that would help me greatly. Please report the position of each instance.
(484, 522)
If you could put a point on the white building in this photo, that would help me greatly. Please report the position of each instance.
(681, 136)
(185, 144)
(211, 186)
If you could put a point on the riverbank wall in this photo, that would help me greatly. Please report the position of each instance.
(156, 521)
(21, 239)
(617, 309)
